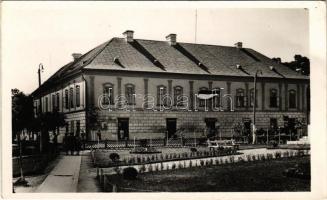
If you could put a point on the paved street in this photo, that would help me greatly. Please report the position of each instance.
(64, 177)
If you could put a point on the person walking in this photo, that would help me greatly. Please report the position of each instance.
(77, 144)
(65, 143)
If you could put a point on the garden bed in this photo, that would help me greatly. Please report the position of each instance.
(101, 158)
(259, 175)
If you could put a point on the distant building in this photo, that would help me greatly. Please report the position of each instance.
(152, 69)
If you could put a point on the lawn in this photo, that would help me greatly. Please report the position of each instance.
(237, 177)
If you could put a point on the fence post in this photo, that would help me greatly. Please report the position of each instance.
(104, 183)
(105, 144)
(126, 142)
(101, 176)
(97, 173)
(114, 188)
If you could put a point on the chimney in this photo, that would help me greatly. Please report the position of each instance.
(128, 35)
(76, 56)
(239, 45)
(171, 39)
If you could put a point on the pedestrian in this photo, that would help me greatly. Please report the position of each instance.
(99, 135)
(77, 144)
(71, 143)
(83, 138)
(65, 143)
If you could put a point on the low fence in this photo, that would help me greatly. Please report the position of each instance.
(103, 174)
(100, 161)
(158, 142)
(31, 164)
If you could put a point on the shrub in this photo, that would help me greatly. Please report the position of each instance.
(211, 161)
(248, 158)
(166, 157)
(278, 154)
(231, 159)
(130, 173)
(253, 158)
(190, 164)
(201, 163)
(144, 143)
(180, 166)
(207, 162)
(174, 155)
(161, 166)
(138, 160)
(156, 167)
(114, 157)
(148, 159)
(161, 157)
(117, 170)
(269, 156)
(152, 157)
(142, 168)
(262, 157)
(240, 159)
(173, 166)
(143, 159)
(150, 168)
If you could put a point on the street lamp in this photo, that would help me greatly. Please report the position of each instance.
(254, 105)
(40, 99)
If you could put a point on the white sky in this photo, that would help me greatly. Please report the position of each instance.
(49, 32)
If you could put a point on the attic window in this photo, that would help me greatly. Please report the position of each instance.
(117, 61)
(271, 68)
(238, 66)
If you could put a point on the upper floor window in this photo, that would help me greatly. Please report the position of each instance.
(54, 103)
(108, 94)
(161, 95)
(78, 97)
(71, 97)
(129, 94)
(216, 97)
(292, 99)
(273, 98)
(252, 98)
(66, 99)
(46, 104)
(240, 98)
(57, 101)
(178, 93)
(202, 102)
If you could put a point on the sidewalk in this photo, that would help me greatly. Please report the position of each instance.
(87, 181)
(64, 177)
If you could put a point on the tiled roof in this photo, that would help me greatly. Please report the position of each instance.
(184, 58)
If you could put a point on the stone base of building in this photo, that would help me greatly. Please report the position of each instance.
(158, 124)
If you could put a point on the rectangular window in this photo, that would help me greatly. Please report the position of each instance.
(66, 99)
(72, 130)
(130, 91)
(240, 98)
(78, 127)
(78, 101)
(46, 104)
(108, 94)
(273, 98)
(57, 101)
(71, 97)
(162, 95)
(54, 103)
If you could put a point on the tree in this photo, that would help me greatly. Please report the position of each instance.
(22, 112)
(300, 64)
(92, 118)
(51, 121)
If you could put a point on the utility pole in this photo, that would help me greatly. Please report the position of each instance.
(40, 110)
(254, 105)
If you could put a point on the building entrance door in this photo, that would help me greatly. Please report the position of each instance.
(247, 127)
(123, 128)
(171, 127)
(211, 127)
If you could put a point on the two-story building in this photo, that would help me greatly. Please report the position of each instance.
(161, 84)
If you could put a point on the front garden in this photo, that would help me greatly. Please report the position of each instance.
(250, 173)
